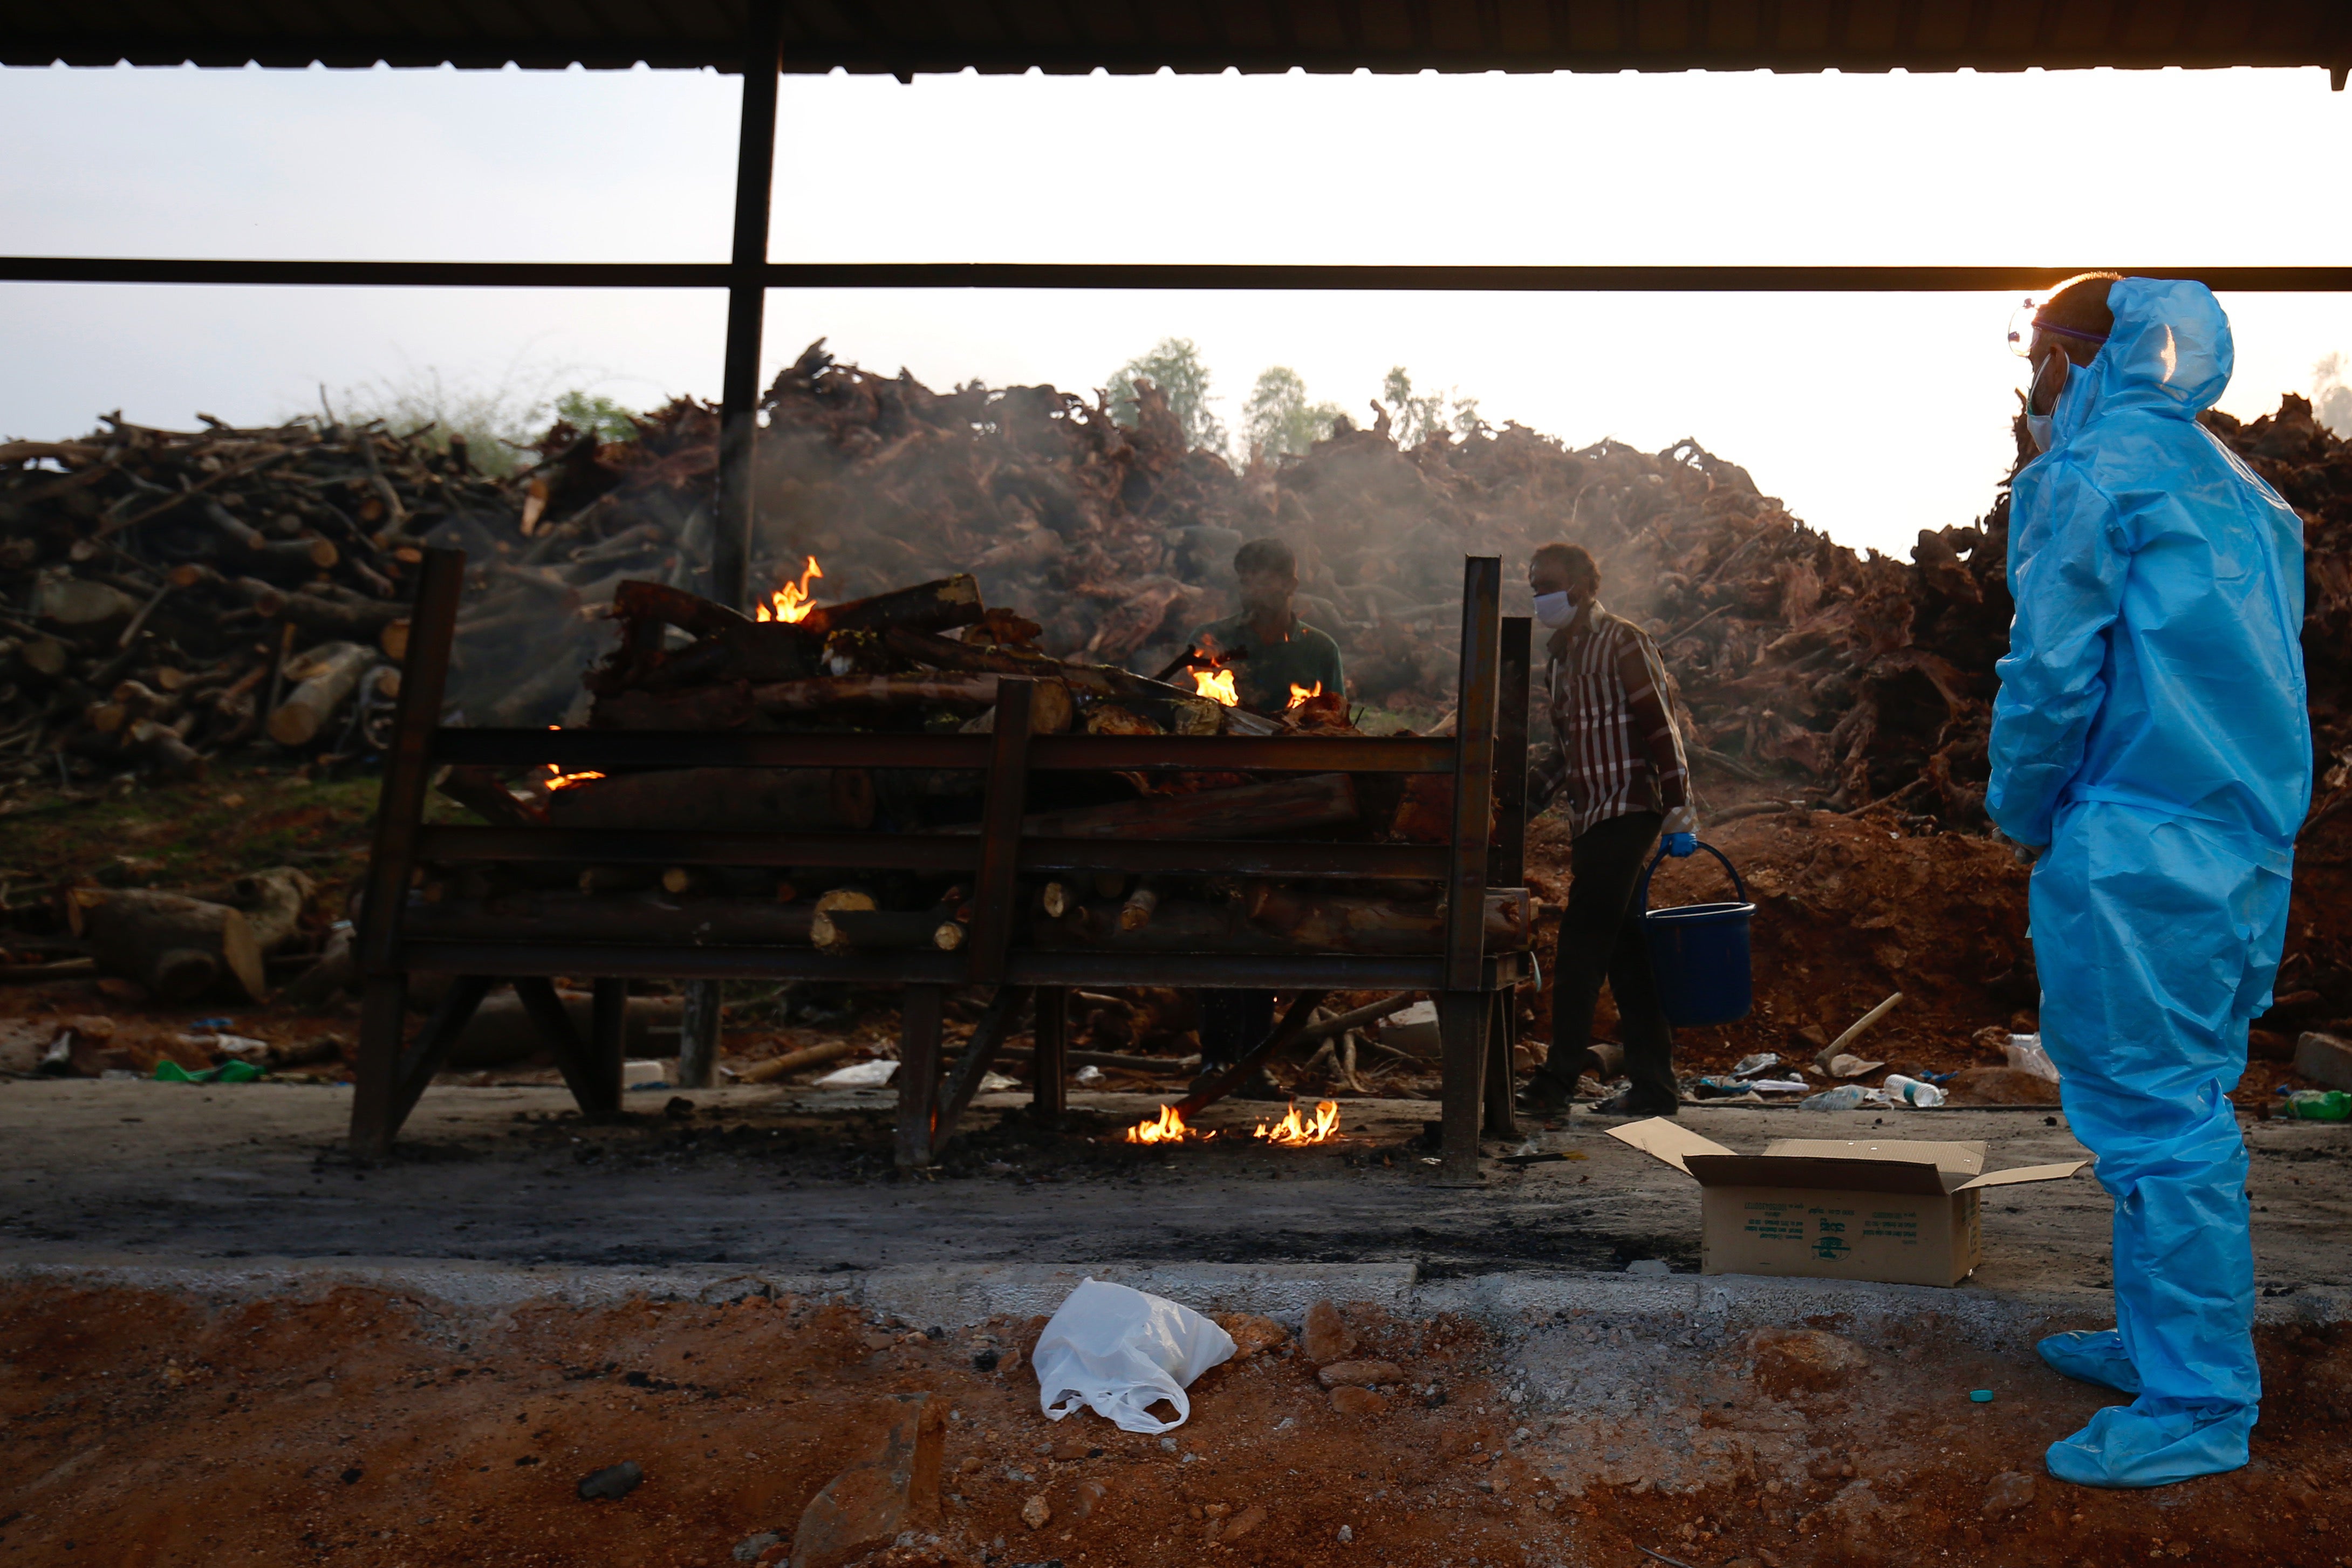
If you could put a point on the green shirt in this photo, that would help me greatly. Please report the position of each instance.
(1263, 678)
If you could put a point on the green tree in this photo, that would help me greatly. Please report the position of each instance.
(1278, 421)
(594, 413)
(1174, 367)
(1415, 419)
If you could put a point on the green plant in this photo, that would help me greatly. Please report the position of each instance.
(1174, 367)
(1278, 421)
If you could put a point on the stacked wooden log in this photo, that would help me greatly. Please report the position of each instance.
(178, 594)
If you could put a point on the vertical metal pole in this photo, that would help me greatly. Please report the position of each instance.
(1049, 1064)
(1000, 832)
(399, 813)
(747, 298)
(919, 1072)
(608, 1040)
(1463, 1009)
(1507, 865)
(755, 175)
(698, 1033)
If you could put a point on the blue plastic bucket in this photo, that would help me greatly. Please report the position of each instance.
(1698, 953)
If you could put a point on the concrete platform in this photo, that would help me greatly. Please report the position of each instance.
(214, 1185)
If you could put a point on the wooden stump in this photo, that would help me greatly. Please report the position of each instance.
(178, 948)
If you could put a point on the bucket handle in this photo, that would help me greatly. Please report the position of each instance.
(1736, 886)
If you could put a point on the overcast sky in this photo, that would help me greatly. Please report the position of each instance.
(1872, 415)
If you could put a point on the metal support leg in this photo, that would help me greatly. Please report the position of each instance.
(384, 1005)
(1502, 1035)
(919, 1072)
(697, 1034)
(1461, 1025)
(608, 1031)
(1050, 1063)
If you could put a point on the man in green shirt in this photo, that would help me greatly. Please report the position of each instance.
(1279, 653)
(1278, 650)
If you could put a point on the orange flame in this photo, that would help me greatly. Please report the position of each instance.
(1217, 683)
(555, 781)
(793, 601)
(1298, 694)
(1295, 1130)
(1168, 1128)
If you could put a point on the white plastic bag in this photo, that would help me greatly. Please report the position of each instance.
(2026, 1055)
(1117, 1350)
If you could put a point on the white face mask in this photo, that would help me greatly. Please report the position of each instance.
(1554, 609)
(2037, 425)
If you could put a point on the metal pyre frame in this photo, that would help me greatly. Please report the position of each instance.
(1485, 757)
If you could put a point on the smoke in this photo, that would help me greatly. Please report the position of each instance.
(2331, 398)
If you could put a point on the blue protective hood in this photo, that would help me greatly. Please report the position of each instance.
(2169, 351)
(2156, 658)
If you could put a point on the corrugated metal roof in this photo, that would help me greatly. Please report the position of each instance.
(904, 36)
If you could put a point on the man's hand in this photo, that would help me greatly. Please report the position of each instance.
(1681, 845)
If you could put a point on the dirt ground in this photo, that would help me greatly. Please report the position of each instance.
(149, 1428)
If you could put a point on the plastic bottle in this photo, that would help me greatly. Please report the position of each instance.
(1911, 1092)
(1845, 1097)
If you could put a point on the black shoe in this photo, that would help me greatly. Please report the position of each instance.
(1627, 1103)
(1545, 1095)
(1258, 1086)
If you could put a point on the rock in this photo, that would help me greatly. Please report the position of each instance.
(748, 1549)
(1251, 1333)
(986, 1360)
(869, 1504)
(1076, 1448)
(1038, 1513)
(2325, 1059)
(1241, 1523)
(1085, 1497)
(1362, 1374)
(612, 1481)
(1349, 1400)
(1326, 1339)
(1810, 1361)
(2008, 1492)
(2001, 1086)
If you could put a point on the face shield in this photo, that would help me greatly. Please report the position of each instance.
(2026, 321)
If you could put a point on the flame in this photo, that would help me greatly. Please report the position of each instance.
(793, 601)
(1293, 1131)
(1217, 683)
(1168, 1128)
(1298, 694)
(555, 781)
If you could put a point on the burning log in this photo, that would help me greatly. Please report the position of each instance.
(926, 607)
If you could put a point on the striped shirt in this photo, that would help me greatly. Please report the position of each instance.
(1619, 750)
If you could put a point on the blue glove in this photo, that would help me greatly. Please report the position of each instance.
(1680, 845)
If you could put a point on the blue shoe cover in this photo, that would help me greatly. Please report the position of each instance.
(2091, 1356)
(2126, 1446)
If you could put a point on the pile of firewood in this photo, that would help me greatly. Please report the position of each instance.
(890, 662)
(175, 595)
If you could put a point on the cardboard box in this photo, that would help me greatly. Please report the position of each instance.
(1877, 1209)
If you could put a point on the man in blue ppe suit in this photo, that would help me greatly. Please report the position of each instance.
(2152, 740)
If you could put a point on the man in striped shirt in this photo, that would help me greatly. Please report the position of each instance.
(1619, 760)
